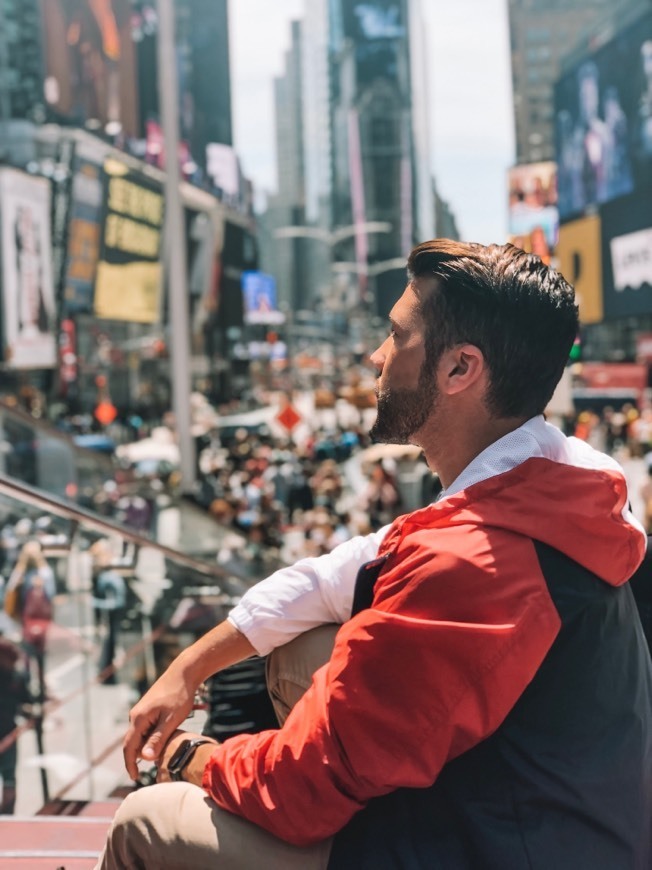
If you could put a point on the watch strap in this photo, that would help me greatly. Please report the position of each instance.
(176, 766)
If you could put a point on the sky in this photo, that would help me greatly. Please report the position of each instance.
(472, 140)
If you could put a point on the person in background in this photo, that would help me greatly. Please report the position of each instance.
(109, 601)
(16, 696)
(32, 579)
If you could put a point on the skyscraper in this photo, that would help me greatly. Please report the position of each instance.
(352, 149)
(287, 259)
(380, 147)
(21, 70)
(202, 54)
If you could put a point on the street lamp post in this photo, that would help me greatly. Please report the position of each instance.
(176, 247)
(334, 237)
(369, 269)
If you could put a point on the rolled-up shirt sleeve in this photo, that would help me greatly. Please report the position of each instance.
(309, 593)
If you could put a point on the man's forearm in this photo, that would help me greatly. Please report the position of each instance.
(219, 648)
(169, 701)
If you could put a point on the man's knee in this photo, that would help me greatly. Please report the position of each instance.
(134, 817)
(163, 825)
(290, 667)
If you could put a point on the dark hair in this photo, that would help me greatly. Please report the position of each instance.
(518, 311)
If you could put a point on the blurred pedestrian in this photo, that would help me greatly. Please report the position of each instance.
(15, 694)
(29, 596)
(109, 601)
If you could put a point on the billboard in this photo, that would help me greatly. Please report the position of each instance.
(129, 274)
(28, 306)
(223, 168)
(91, 63)
(603, 122)
(259, 296)
(378, 30)
(580, 262)
(84, 232)
(627, 255)
(533, 203)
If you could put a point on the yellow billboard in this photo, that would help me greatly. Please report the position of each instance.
(579, 254)
(128, 281)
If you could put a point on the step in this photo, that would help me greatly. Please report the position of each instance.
(105, 809)
(47, 863)
(52, 841)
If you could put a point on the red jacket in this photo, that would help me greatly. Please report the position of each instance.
(461, 620)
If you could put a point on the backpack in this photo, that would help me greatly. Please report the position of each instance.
(36, 616)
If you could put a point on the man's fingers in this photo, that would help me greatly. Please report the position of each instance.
(145, 741)
(131, 749)
(155, 742)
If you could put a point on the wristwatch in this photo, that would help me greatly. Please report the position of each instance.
(182, 755)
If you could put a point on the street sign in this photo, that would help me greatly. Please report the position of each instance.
(106, 412)
(289, 417)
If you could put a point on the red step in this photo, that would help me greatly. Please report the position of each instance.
(31, 863)
(104, 809)
(47, 863)
(52, 841)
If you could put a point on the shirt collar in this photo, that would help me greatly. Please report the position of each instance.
(534, 438)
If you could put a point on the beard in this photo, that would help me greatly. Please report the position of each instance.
(402, 412)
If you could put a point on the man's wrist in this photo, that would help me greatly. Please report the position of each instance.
(193, 772)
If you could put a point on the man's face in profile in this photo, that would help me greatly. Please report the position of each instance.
(406, 389)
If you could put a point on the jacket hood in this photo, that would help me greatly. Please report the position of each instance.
(574, 499)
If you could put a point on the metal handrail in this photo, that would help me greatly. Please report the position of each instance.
(27, 494)
(46, 428)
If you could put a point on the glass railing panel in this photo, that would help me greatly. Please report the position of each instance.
(35, 453)
(120, 609)
(38, 454)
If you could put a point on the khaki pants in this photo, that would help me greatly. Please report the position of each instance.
(176, 826)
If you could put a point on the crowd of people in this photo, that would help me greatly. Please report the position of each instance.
(294, 500)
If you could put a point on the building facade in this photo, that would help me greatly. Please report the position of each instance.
(542, 34)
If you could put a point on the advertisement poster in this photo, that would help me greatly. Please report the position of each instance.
(91, 64)
(627, 255)
(84, 230)
(603, 122)
(533, 204)
(259, 293)
(28, 308)
(128, 283)
(580, 262)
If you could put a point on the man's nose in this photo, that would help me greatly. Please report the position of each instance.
(377, 358)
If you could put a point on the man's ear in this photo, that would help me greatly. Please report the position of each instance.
(461, 367)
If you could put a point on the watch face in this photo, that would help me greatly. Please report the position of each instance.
(182, 755)
(178, 754)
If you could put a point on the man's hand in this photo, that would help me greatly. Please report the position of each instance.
(169, 701)
(153, 719)
(194, 771)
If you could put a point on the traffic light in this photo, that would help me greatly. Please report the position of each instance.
(576, 351)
